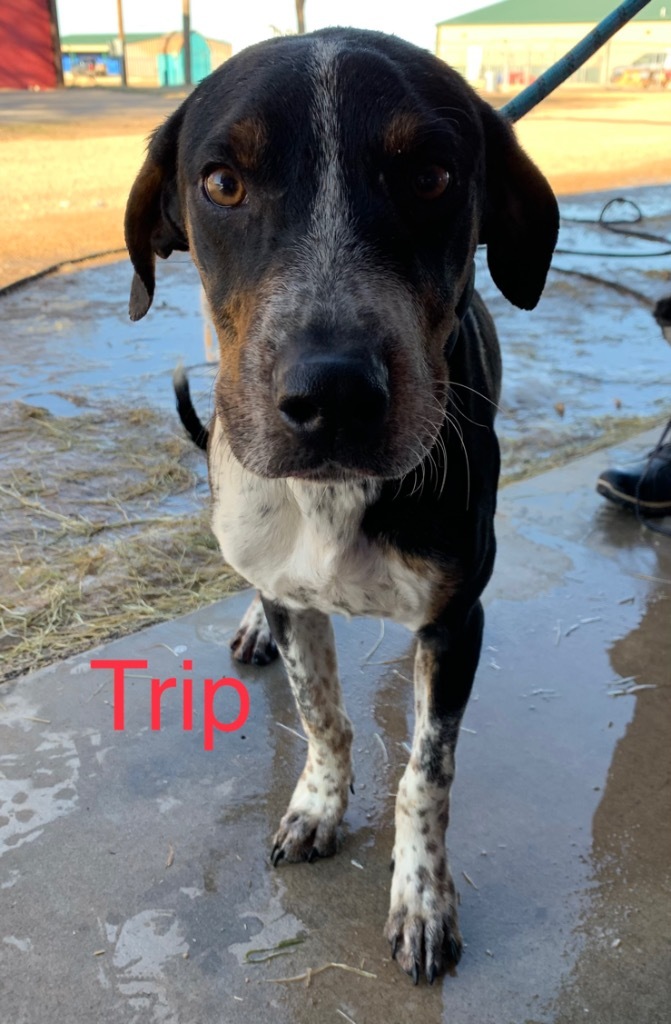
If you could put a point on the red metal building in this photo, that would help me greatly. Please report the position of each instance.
(29, 45)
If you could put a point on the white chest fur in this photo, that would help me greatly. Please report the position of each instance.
(301, 543)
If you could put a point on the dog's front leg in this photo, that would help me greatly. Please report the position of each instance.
(423, 923)
(309, 827)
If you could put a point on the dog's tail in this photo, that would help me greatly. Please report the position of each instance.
(198, 433)
(662, 312)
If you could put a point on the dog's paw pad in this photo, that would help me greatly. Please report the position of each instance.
(253, 643)
(424, 943)
(302, 837)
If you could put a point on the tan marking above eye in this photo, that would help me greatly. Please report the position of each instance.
(248, 138)
(430, 182)
(225, 187)
(402, 134)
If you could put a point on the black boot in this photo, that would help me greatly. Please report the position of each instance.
(644, 487)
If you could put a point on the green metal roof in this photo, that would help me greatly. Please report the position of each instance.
(103, 39)
(554, 12)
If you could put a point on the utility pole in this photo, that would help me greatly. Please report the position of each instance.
(300, 16)
(122, 41)
(186, 32)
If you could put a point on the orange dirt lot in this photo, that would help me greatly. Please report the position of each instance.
(67, 161)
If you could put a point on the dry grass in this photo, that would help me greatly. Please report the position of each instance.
(100, 535)
(520, 457)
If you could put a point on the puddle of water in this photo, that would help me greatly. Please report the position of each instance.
(588, 352)
(33, 797)
(587, 356)
(71, 342)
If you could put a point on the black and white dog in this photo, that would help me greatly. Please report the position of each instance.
(332, 189)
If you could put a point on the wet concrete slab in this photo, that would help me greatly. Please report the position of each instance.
(134, 873)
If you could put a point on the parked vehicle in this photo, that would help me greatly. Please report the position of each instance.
(650, 69)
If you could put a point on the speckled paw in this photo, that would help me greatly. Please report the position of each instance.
(303, 837)
(424, 943)
(253, 643)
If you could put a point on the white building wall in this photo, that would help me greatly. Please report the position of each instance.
(516, 54)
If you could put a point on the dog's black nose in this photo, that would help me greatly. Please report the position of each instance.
(332, 396)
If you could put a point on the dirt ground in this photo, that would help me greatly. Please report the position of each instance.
(67, 159)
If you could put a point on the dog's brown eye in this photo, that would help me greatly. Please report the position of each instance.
(430, 182)
(225, 188)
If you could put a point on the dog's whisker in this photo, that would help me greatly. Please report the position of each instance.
(460, 435)
(459, 412)
(479, 394)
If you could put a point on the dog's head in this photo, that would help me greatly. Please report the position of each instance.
(332, 189)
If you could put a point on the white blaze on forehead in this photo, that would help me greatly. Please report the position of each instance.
(331, 217)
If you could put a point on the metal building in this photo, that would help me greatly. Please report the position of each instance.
(510, 43)
(151, 59)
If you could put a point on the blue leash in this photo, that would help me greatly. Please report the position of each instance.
(570, 62)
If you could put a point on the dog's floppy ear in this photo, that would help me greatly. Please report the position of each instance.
(154, 224)
(521, 218)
